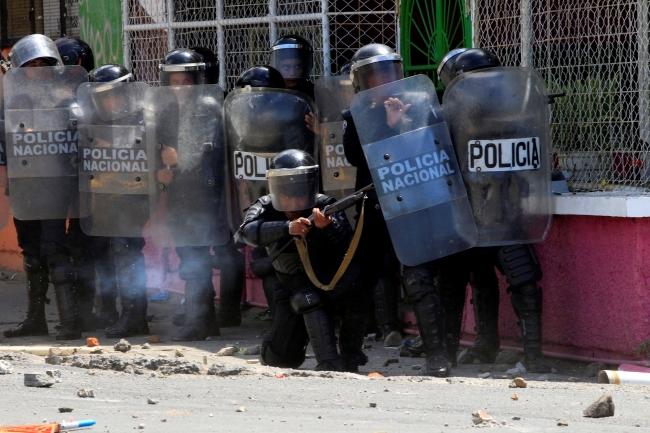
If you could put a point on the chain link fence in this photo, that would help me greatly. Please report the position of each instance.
(241, 32)
(597, 53)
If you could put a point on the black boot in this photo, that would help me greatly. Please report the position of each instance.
(527, 303)
(199, 300)
(66, 302)
(232, 266)
(37, 284)
(351, 341)
(485, 300)
(323, 340)
(429, 314)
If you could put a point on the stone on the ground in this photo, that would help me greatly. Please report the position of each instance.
(227, 351)
(54, 374)
(146, 346)
(518, 383)
(394, 339)
(219, 369)
(253, 350)
(373, 404)
(6, 368)
(179, 353)
(480, 416)
(601, 408)
(241, 409)
(66, 409)
(85, 393)
(543, 377)
(573, 379)
(38, 380)
(594, 368)
(152, 401)
(562, 423)
(122, 346)
(515, 397)
(484, 375)
(507, 357)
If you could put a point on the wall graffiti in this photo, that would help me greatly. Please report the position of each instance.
(100, 24)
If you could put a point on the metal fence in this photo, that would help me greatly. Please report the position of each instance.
(241, 32)
(596, 52)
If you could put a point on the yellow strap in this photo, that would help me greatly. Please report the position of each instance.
(304, 256)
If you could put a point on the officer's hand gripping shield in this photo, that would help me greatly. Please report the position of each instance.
(261, 122)
(415, 171)
(187, 169)
(41, 131)
(333, 95)
(499, 123)
(4, 198)
(113, 166)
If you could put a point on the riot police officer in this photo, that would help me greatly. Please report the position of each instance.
(41, 204)
(272, 221)
(518, 262)
(293, 56)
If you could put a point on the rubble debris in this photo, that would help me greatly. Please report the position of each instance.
(515, 397)
(484, 375)
(373, 404)
(155, 339)
(562, 423)
(519, 369)
(122, 346)
(227, 351)
(54, 374)
(38, 380)
(252, 361)
(85, 393)
(480, 416)
(6, 368)
(507, 357)
(394, 339)
(179, 353)
(518, 383)
(601, 408)
(543, 378)
(241, 409)
(573, 379)
(145, 346)
(165, 366)
(92, 342)
(253, 350)
(66, 409)
(389, 361)
(221, 369)
(152, 401)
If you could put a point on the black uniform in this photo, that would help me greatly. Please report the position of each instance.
(285, 344)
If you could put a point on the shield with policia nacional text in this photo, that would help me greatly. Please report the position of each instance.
(41, 133)
(499, 122)
(414, 169)
(113, 163)
(261, 122)
(187, 182)
(4, 198)
(333, 95)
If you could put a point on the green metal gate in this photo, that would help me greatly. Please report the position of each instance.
(429, 29)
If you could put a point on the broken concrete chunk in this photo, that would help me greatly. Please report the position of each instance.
(86, 393)
(38, 380)
(227, 351)
(122, 346)
(601, 408)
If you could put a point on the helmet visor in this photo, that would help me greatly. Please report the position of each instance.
(293, 61)
(370, 75)
(293, 189)
(114, 100)
(187, 74)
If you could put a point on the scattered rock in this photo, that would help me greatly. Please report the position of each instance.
(66, 409)
(573, 379)
(484, 375)
(241, 409)
(417, 367)
(86, 393)
(253, 350)
(227, 351)
(389, 361)
(508, 357)
(516, 418)
(518, 383)
(54, 374)
(122, 346)
(141, 426)
(479, 417)
(120, 363)
(543, 377)
(146, 346)
(252, 361)
(38, 380)
(53, 360)
(373, 404)
(6, 368)
(220, 369)
(601, 408)
(562, 423)
(515, 397)
(92, 342)
(179, 353)
(152, 401)
(394, 339)
(135, 415)
(155, 339)
(138, 371)
(594, 368)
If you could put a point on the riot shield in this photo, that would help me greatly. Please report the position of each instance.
(187, 184)
(499, 123)
(4, 198)
(113, 167)
(259, 124)
(333, 95)
(41, 132)
(414, 169)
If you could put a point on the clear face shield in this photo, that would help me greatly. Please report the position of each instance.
(188, 74)
(294, 61)
(114, 100)
(293, 189)
(376, 71)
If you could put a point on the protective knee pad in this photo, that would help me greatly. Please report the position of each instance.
(418, 283)
(61, 275)
(520, 265)
(32, 265)
(306, 300)
(262, 267)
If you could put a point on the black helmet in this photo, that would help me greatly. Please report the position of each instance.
(293, 56)
(211, 64)
(183, 61)
(345, 70)
(446, 70)
(260, 76)
(475, 59)
(293, 181)
(374, 65)
(75, 52)
(110, 72)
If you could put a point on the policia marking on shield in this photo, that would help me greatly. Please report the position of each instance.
(302, 312)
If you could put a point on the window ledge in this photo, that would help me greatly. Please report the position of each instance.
(610, 204)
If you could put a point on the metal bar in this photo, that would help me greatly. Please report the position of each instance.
(526, 34)
(171, 43)
(63, 14)
(327, 61)
(32, 16)
(273, 26)
(126, 43)
(643, 59)
(475, 24)
(223, 22)
(221, 45)
(4, 37)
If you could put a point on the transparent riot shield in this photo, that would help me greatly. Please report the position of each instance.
(41, 132)
(187, 184)
(113, 166)
(259, 124)
(414, 169)
(499, 123)
(4, 198)
(333, 95)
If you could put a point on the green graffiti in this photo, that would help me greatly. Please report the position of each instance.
(100, 24)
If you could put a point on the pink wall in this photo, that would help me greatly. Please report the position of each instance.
(595, 285)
